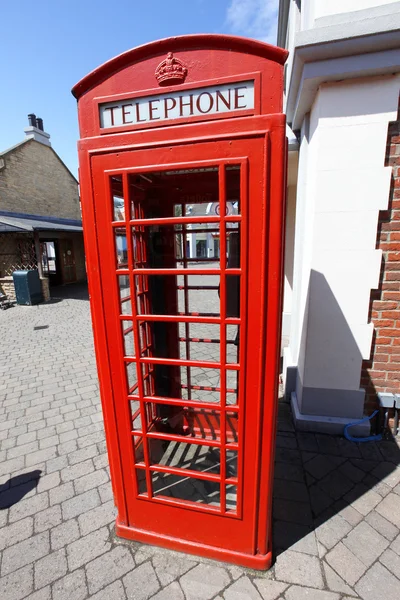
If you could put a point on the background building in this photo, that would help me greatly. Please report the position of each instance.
(342, 279)
(40, 218)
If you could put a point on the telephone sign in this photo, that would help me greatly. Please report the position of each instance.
(182, 171)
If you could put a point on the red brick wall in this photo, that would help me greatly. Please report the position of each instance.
(382, 372)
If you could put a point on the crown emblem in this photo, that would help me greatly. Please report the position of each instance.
(171, 70)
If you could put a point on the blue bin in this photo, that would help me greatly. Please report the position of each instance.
(28, 289)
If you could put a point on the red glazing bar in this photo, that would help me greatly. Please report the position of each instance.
(179, 438)
(136, 339)
(198, 314)
(128, 330)
(189, 473)
(205, 340)
(180, 402)
(198, 287)
(244, 207)
(207, 388)
(168, 221)
(181, 362)
(186, 301)
(222, 301)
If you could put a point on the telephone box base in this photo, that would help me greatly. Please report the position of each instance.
(261, 562)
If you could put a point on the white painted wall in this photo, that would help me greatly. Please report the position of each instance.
(315, 9)
(342, 185)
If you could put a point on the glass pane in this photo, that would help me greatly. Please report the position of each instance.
(124, 294)
(187, 187)
(141, 481)
(232, 419)
(199, 423)
(231, 497)
(196, 295)
(128, 339)
(121, 248)
(174, 246)
(184, 455)
(231, 463)
(232, 184)
(203, 385)
(136, 419)
(131, 375)
(186, 488)
(199, 341)
(232, 343)
(232, 386)
(138, 451)
(233, 248)
(117, 198)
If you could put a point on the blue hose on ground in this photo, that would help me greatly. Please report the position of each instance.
(370, 438)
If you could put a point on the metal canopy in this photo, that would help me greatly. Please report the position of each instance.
(28, 223)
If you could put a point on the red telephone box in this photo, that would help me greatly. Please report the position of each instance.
(182, 170)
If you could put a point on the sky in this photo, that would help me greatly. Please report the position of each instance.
(49, 45)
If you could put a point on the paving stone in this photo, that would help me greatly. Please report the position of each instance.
(395, 546)
(64, 534)
(294, 536)
(269, 590)
(304, 593)
(391, 560)
(330, 532)
(293, 512)
(365, 543)
(390, 509)
(242, 589)
(88, 548)
(171, 565)
(288, 471)
(90, 481)
(41, 455)
(334, 582)
(61, 493)
(380, 487)
(141, 583)
(290, 489)
(17, 585)
(171, 592)
(76, 471)
(16, 532)
(381, 525)
(25, 552)
(336, 484)
(56, 464)
(50, 568)
(105, 492)
(70, 587)
(319, 466)
(351, 471)
(115, 591)
(43, 594)
(362, 499)
(48, 482)
(377, 582)
(97, 517)
(295, 567)
(108, 567)
(345, 563)
(80, 504)
(319, 499)
(48, 518)
(204, 582)
(350, 514)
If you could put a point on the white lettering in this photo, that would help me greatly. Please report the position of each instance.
(211, 100)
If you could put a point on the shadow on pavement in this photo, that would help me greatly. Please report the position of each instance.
(71, 291)
(17, 488)
(319, 477)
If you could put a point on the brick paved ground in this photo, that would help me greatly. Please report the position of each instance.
(337, 505)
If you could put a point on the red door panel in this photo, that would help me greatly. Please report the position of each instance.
(181, 248)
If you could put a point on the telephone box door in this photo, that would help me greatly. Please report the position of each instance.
(181, 232)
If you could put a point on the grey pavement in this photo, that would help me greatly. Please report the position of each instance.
(336, 532)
